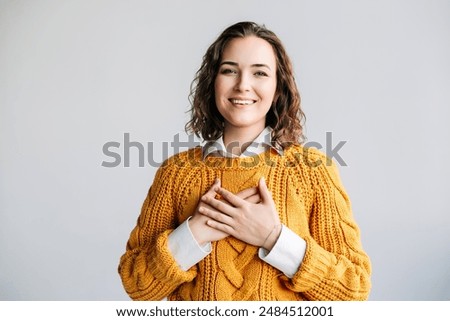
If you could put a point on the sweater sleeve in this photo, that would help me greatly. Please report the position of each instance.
(147, 269)
(335, 266)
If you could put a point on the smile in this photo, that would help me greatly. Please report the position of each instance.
(242, 101)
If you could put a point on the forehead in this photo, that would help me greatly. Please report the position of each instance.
(249, 50)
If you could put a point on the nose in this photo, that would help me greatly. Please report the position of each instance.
(243, 83)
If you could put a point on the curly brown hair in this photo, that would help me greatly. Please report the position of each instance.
(285, 116)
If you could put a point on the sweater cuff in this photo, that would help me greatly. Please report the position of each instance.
(184, 248)
(287, 253)
(315, 266)
(163, 264)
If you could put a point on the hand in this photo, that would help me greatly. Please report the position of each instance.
(201, 231)
(204, 233)
(256, 224)
(250, 194)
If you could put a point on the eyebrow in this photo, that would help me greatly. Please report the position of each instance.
(236, 64)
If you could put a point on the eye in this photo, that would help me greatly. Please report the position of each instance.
(261, 74)
(227, 71)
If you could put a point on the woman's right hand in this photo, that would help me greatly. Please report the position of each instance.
(204, 233)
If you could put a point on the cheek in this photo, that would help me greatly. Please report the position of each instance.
(274, 88)
(220, 86)
(219, 92)
(269, 90)
(216, 88)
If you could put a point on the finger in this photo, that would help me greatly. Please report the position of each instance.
(218, 205)
(265, 194)
(254, 199)
(214, 186)
(248, 192)
(216, 216)
(203, 204)
(220, 227)
(234, 200)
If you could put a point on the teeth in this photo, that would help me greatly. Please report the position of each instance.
(241, 101)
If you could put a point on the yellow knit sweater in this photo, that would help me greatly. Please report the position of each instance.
(310, 200)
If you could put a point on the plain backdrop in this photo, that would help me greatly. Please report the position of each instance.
(75, 75)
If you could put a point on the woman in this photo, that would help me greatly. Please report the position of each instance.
(251, 215)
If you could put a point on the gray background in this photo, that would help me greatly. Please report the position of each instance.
(77, 74)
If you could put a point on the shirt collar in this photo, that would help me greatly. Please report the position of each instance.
(259, 145)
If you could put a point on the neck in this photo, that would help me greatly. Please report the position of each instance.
(237, 139)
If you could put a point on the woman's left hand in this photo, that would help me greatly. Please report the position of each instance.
(255, 224)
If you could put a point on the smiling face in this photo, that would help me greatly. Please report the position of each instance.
(245, 84)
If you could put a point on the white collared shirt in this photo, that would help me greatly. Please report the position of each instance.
(287, 253)
(258, 146)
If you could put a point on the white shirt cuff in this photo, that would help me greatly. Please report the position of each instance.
(184, 248)
(287, 253)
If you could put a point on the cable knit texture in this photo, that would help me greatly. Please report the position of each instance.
(310, 200)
